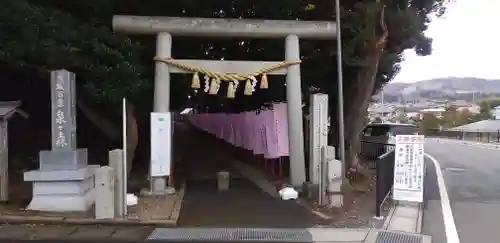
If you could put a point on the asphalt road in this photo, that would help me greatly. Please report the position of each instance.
(432, 223)
(471, 172)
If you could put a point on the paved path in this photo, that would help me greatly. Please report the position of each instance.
(35, 232)
(471, 172)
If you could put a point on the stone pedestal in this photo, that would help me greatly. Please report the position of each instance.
(63, 159)
(62, 190)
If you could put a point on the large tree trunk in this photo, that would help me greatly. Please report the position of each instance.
(132, 136)
(364, 84)
(113, 131)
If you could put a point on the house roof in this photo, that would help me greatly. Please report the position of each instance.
(9, 108)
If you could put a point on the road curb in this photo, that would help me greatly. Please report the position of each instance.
(420, 219)
(387, 220)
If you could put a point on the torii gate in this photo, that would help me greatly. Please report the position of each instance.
(291, 30)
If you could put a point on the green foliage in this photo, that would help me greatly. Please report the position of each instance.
(486, 107)
(401, 117)
(429, 124)
(43, 35)
(450, 118)
(39, 39)
(454, 118)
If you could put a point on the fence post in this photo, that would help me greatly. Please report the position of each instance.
(378, 189)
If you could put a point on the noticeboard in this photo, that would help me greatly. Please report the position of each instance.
(409, 168)
(161, 141)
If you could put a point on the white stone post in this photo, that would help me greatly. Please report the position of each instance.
(294, 100)
(4, 162)
(105, 193)
(116, 163)
(331, 178)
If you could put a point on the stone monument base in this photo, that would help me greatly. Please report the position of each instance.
(62, 191)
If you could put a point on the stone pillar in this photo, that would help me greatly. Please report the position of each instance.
(4, 162)
(64, 181)
(294, 100)
(116, 162)
(105, 193)
(331, 178)
(161, 95)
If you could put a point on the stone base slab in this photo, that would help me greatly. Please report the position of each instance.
(64, 175)
(62, 191)
(63, 160)
(62, 203)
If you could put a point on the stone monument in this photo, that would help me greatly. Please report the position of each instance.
(64, 181)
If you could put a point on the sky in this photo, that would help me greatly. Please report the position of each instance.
(466, 44)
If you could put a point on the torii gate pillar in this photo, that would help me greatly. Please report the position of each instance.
(291, 30)
(161, 95)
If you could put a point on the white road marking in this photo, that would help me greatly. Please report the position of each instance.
(449, 220)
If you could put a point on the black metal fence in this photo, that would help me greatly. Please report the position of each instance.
(490, 136)
(380, 157)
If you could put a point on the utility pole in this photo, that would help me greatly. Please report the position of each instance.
(340, 91)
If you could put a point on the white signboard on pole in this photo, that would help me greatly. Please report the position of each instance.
(409, 168)
(161, 138)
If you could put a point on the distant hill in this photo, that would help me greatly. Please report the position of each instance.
(451, 88)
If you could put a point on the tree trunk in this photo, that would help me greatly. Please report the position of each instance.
(364, 84)
(113, 131)
(132, 136)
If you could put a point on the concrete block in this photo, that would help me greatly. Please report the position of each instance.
(64, 175)
(63, 159)
(335, 199)
(62, 203)
(105, 190)
(62, 191)
(223, 180)
(63, 187)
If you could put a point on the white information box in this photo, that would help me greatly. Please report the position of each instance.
(161, 141)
